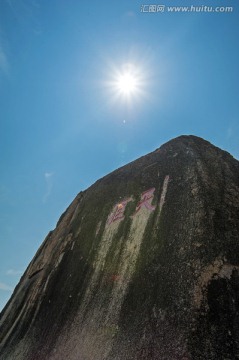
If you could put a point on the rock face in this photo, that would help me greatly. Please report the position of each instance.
(142, 265)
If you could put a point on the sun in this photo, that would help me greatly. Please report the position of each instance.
(126, 83)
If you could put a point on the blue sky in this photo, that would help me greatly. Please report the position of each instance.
(62, 125)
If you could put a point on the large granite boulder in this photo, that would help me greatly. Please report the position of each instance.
(142, 265)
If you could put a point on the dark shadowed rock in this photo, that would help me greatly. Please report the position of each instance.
(142, 265)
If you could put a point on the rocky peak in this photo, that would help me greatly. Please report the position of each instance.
(142, 265)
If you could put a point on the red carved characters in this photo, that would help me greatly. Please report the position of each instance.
(146, 200)
(118, 212)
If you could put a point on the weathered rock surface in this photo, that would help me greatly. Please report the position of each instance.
(142, 265)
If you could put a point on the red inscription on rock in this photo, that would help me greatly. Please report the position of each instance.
(118, 212)
(146, 200)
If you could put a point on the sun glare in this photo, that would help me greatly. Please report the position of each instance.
(126, 83)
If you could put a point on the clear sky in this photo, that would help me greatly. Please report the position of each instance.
(64, 122)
